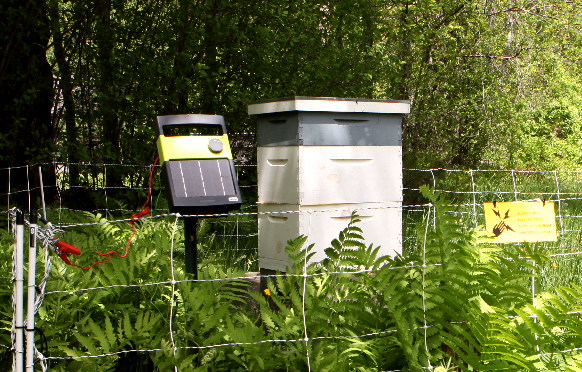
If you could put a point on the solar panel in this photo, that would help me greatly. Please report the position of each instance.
(202, 178)
(197, 165)
(201, 186)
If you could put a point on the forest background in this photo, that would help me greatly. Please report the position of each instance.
(493, 84)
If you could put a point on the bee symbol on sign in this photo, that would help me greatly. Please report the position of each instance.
(501, 226)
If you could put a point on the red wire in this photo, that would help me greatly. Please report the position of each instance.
(136, 216)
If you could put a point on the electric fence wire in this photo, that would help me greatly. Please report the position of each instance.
(247, 214)
(256, 277)
(327, 273)
(559, 205)
(301, 339)
(219, 345)
(448, 170)
(103, 184)
(305, 276)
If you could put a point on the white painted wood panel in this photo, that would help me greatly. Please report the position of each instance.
(314, 175)
(329, 105)
(381, 225)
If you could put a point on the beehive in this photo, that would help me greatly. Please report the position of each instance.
(318, 160)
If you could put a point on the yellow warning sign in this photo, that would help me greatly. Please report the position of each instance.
(517, 222)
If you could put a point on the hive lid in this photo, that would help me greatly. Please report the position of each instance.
(329, 104)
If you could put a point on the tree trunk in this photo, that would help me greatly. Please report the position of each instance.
(26, 130)
(73, 145)
(110, 137)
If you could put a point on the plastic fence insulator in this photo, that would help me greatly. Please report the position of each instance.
(29, 363)
(18, 324)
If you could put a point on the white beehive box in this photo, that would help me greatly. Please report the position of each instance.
(315, 175)
(381, 225)
(329, 156)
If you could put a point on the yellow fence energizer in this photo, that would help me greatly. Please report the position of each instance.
(197, 165)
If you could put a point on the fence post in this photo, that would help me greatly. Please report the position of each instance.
(8, 199)
(41, 192)
(31, 293)
(474, 200)
(19, 294)
(559, 206)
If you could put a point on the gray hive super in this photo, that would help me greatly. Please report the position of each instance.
(299, 128)
(318, 160)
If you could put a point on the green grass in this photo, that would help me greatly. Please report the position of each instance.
(499, 186)
(229, 242)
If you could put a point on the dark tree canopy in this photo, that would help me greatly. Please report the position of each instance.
(491, 83)
(28, 130)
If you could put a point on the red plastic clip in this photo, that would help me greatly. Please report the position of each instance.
(64, 248)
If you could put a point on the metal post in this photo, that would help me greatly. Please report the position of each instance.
(19, 294)
(28, 187)
(8, 199)
(190, 246)
(190, 224)
(42, 191)
(31, 293)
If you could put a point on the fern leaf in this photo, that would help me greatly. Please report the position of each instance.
(218, 314)
(100, 336)
(332, 254)
(88, 343)
(110, 332)
(336, 245)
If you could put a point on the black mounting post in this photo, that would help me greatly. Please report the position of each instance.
(19, 218)
(190, 245)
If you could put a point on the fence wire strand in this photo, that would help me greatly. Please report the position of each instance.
(471, 206)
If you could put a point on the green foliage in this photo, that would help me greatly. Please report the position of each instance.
(229, 242)
(340, 301)
(123, 62)
(546, 133)
(459, 303)
(554, 326)
(462, 289)
(486, 78)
